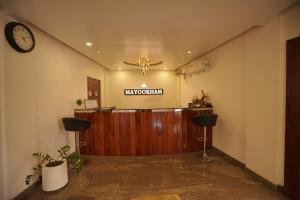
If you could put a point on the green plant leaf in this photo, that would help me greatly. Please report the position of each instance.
(74, 161)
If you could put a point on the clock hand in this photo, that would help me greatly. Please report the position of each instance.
(25, 40)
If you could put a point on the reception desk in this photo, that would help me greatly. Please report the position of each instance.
(133, 132)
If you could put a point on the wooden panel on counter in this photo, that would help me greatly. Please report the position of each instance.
(148, 132)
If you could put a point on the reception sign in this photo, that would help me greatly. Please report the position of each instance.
(159, 91)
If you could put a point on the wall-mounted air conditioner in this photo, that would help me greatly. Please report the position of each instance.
(198, 66)
(194, 67)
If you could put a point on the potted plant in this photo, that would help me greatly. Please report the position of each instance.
(54, 170)
(79, 103)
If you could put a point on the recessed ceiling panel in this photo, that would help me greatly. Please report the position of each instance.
(161, 30)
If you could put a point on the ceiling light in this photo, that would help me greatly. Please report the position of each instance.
(98, 51)
(143, 64)
(189, 52)
(89, 44)
(144, 85)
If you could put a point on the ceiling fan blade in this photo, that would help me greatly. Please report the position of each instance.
(156, 63)
(136, 64)
(128, 63)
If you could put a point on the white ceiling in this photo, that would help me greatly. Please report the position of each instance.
(159, 29)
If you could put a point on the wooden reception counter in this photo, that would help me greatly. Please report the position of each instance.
(134, 132)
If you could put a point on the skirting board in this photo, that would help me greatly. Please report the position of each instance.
(252, 173)
(28, 191)
(230, 158)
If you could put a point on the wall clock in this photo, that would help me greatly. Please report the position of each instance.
(20, 37)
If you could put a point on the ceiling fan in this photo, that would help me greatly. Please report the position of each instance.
(143, 64)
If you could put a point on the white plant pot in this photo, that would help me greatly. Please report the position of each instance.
(54, 178)
(78, 106)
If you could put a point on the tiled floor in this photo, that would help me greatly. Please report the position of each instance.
(123, 178)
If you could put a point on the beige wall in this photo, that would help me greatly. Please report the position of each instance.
(119, 80)
(246, 84)
(265, 63)
(224, 84)
(40, 88)
(262, 62)
(3, 167)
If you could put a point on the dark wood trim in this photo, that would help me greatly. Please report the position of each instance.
(93, 78)
(143, 133)
(99, 92)
(291, 186)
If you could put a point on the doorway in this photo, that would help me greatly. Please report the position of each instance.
(94, 90)
(292, 127)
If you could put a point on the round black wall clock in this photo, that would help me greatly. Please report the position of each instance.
(20, 37)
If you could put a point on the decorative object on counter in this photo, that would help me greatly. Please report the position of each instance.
(76, 125)
(90, 103)
(143, 64)
(207, 120)
(54, 170)
(200, 102)
(79, 103)
(158, 91)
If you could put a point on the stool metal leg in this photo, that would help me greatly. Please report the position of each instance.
(77, 142)
(204, 144)
(205, 157)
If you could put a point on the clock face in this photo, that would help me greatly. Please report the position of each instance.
(19, 37)
(22, 37)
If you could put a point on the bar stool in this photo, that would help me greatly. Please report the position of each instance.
(205, 120)
(76, 124)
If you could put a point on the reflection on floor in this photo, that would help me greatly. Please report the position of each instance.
(124, 178)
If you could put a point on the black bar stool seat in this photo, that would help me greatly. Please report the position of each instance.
(77, 125)
(205, 120)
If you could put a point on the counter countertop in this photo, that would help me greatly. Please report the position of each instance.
(112, 109)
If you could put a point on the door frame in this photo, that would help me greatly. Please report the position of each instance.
(99, 92)
(291, 186)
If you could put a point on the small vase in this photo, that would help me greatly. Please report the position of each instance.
(78, 106)
(54, 178)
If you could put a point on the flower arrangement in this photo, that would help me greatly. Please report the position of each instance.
(200, 102)
(195, 99)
